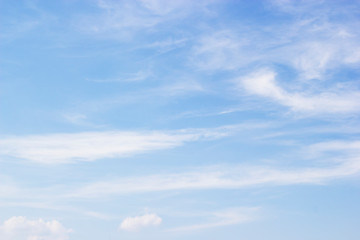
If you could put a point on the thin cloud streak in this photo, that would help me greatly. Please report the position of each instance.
(345, 164)
(222, 218)
(91, 146)
(309, 45)
(234, 177)
(122, 20)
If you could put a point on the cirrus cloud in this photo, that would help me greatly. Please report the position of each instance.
(90, 146)
(263, 83)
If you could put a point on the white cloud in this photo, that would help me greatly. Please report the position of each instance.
(181, 87)
(313, 59)
(138, 222)
(236, 177)
(125, 77)
(314, 50)
(90, 146)
(315, 43)
(316, 58)
(296, 7)
(337, 145)
(121, 19)
(8, 190)
(339, 159)
(225, 217)
(20, 228)
(167, 44)
(7, 187)
(262, 83)
(331, 147)
(347, 163)
(163, 7)
(222, 50)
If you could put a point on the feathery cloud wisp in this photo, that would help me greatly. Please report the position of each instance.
(262, 83)
(224, 217)
(346, 164)
(90, 146)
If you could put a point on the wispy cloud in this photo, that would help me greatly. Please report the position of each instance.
(307, 43)
(166, 44)
(325, 161)
(138, 222)
(180, 88)
(91, 146)
(222, 50)
(80, 119)
(41, 203)
(313, 54)
(233, 177)
(221, 218)
(130, 77)
(352, 148)
(123, 19)
(263, 83)
(8, 189)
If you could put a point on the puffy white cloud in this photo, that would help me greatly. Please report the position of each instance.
(20, 228)
(138, 222)
(262, 83)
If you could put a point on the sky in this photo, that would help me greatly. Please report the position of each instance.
(181, 119)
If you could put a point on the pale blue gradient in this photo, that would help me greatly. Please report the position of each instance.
(226, 119)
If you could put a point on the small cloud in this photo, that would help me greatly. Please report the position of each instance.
(182, 88)
(130, 77)
(75, 118)
(168, 43)
(20, 228)
(138, 222)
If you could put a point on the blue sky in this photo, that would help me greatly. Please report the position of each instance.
(154, 119)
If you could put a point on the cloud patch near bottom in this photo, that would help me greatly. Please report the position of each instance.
(21, 228)
(226, 217)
